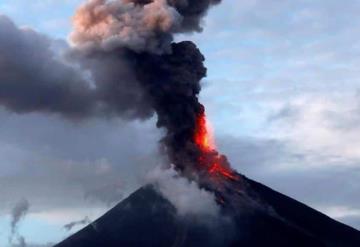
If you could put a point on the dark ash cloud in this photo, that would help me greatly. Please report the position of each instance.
(134, 69)
(33, 79)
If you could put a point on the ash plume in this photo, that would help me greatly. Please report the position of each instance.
(133, 68)
(18, 213)
(140, 25)
(33, 79)
(139, 70)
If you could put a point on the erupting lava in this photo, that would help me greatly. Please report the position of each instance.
(215, 164)
(203, 136)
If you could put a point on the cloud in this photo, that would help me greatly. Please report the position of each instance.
(57, 164)
(109, 193)
(321, 127)
(340, 212)
(241, 152)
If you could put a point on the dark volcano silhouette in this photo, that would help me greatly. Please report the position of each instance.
(146, 218)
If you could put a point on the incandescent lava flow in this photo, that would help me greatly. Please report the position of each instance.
(216, 175)
(215, 164)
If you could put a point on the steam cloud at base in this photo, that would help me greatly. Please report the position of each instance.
(185, 195)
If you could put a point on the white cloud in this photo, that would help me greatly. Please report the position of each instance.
(314, 125)
(340, 212)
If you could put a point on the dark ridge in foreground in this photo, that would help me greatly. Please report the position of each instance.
(147, 219)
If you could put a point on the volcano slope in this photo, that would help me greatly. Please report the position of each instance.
(146, 218)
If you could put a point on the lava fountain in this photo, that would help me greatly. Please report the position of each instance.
(215, 164)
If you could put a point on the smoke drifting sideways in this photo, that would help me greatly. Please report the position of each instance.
(18, 213)
(33, 79)
(127, 65)
(68, 227)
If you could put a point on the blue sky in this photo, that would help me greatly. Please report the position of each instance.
(282, 94)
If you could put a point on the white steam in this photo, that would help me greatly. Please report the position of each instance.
(185, 195)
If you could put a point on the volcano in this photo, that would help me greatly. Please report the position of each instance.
(250, 214)
(140, 70)
(146, 218)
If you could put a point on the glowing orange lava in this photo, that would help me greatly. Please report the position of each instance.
(209, 158)
(216, 168)
(203, 136)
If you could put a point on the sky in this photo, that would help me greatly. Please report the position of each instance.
(282, 94)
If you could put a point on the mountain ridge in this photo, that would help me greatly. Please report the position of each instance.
(146, 218)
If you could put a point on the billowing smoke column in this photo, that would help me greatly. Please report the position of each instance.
(126, 65)
(128, 46)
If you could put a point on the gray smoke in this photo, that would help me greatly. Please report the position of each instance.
(138, 69)
(73, 224)
(124, 63)
(22, 242)
(18, 213)
(33, 79)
